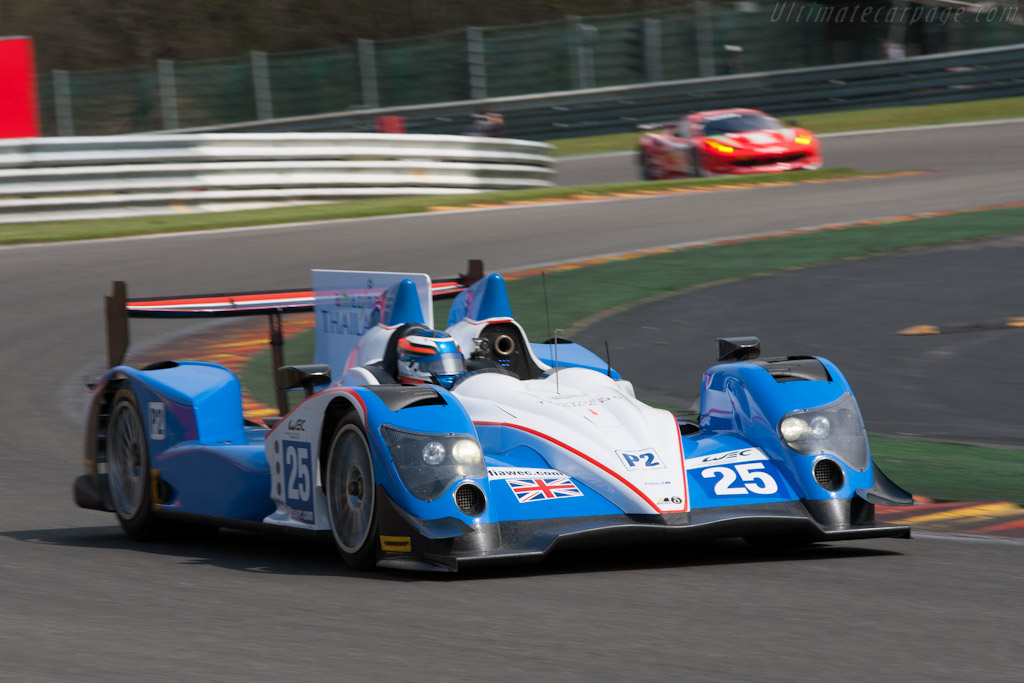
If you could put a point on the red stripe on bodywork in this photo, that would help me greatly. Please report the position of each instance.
(682, 463)
(572, 450)
(296, 297)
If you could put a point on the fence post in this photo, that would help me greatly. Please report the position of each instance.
(168, 93)
(477, 60)
(652, 50)
(572, 37)
(261, 85)
(705, 38)
(581, 52)
(368, 73)
(62, 102)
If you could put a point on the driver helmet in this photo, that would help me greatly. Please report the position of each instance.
(430, 356)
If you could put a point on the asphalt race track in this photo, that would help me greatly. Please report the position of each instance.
(964, 385)
(81, 603)
(972, 148)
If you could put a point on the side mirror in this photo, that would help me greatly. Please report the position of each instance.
(793, 123)
(738, 349)
(307, 377)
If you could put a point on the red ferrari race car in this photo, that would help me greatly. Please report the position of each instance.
(725, 141)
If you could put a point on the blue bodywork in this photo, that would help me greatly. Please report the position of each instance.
(740, 473)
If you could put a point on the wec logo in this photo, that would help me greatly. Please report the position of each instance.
(646, 459)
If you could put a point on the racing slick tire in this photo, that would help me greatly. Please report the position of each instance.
(697, 171)
(130, 482)
(350, 489)
(645, 168)
(128, 475)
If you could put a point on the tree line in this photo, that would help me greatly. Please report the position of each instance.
(108, 34)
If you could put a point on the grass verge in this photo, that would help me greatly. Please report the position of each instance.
(949, 471)
(938, 471)
(836, 122)
(60, 231)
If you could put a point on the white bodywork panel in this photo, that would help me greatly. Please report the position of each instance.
(293, 450)
(629, 452)
(466, 330)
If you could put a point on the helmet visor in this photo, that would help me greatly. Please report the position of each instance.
(441, 364)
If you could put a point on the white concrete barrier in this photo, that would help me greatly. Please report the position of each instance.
(43, 179)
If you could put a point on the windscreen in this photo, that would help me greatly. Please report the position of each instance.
(724, 124)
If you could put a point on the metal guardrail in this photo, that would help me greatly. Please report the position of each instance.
(45, 179)
(949, 77)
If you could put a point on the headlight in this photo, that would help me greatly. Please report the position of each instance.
(801, 140)
(467, 452)
(836, 428)
(719, 147)
(433, 453)
(820, 427)
(794, 428)
(429, 463)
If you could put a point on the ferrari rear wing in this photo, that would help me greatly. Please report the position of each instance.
(654, 126)
(119, 308)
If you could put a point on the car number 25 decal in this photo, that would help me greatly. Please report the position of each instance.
(746, 472)
(747, 477)
(298, 478)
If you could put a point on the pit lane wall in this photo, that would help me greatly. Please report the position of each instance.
(47, 179)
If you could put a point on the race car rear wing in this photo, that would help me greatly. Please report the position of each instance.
(654, 126)
(119, 308)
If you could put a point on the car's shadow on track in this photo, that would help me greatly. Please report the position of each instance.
(265, 553)
(303, 554)
(730, 551)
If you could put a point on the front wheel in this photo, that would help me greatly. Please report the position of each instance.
(696, 170)
(351, 495)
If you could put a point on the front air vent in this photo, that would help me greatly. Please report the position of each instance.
(795, 368)
(828, 474)
(160, 365)
(470, 500)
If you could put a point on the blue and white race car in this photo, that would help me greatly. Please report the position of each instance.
(410, 456)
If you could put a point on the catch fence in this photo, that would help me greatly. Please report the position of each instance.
(700, 40)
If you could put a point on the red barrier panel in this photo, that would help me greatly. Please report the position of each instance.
(390, 124)
(19, 103)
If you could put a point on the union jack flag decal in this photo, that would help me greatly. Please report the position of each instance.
(529, 490)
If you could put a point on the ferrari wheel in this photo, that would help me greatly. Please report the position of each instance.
(697, 171)
(350, 490)
(645, 167)
(128, 475)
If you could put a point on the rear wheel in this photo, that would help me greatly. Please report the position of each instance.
(130, 481)
(128, 475)
(351, 495)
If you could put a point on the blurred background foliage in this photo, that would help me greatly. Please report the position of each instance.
(121, 66)
(107, 34)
